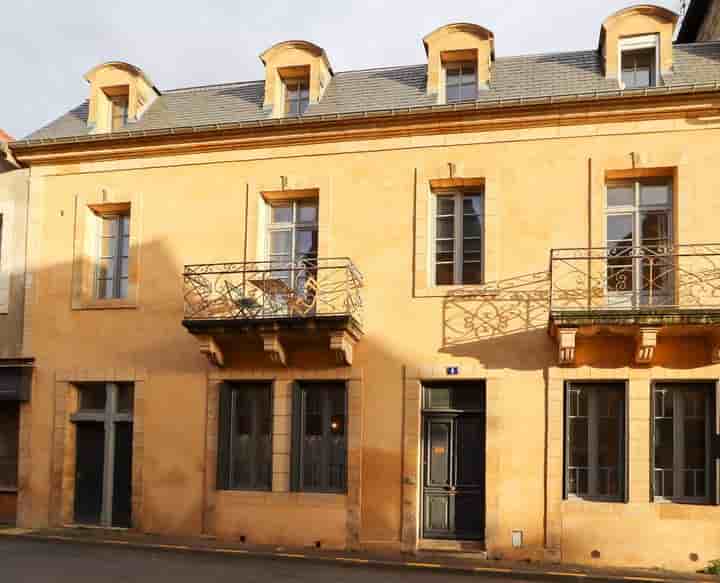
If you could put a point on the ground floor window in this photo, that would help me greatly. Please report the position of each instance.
(683, 426)
(595, 441)
(9, 432)
(320, 437)
(245, 437)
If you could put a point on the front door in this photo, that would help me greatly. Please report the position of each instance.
(454, 468)
(103, 468)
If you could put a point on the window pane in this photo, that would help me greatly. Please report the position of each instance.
(251, 455)
(468, 92)
(472, 249)
(620, 195)
(281, 213)
(93, 397)
(307, 212)
(125, 397)
(445, 228)
(452, 93)
(472, 226)
(655, 193)
(123, 287)
(445, 205)
(654, 228)
(280, 242)
(472, 273)
(445, 274)
(109, 226)
(108, 247)
(472, 204)
(445, 251)
(620, 228)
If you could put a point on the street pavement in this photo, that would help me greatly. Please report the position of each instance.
(30, 561)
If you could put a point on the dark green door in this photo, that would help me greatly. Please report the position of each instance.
(454, 476)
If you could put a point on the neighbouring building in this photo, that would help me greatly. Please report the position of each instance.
(15, 369)
(468, 304)
(701, 22)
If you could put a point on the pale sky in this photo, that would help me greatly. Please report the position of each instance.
(48, 45)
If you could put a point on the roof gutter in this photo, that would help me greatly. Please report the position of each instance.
(293, 122)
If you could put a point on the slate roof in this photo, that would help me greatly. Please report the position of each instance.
(521, 77)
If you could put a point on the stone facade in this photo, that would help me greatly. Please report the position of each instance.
(204, 200)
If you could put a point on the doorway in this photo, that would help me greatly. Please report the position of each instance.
(454, 428)
(103, 469)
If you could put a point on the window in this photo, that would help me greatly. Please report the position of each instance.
(460, 82)
(111, 276)
(595, 441)
(293, 244)
(9, 431)
(118, 111)
(683, 427)
(459, 235)
(638, 61)
(639, 240)
(297, 96)
(245, 437)
(320, 441)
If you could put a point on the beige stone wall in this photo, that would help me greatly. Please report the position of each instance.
(710, 29)
(13, 208)
(545, 188)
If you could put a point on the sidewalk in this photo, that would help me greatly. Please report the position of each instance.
(436, 561)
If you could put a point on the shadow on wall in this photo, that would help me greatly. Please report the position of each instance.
(503, 320)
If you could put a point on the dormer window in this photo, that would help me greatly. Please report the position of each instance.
(638, 62)
(460, 81)
(297, 96)
(118, 111)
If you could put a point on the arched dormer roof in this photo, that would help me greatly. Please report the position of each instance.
(658, 13)
(132, 69)
(117, 78)
(482, 33)
(459, 41)
(297, 45)
(293, 59)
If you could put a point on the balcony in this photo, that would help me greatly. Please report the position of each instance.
(639, 291)
(280, 303)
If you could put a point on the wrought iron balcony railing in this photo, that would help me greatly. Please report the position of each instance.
(264, 290)
(651, 278)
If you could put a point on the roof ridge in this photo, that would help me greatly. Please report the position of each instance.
(211, 86)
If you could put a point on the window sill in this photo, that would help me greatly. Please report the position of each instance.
(575, 500)
(682, 502)
(8, 490)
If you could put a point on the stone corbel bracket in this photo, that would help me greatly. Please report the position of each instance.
(211, 350)
(645, 344)
(274, 348)
(342, 344)
(566, 339)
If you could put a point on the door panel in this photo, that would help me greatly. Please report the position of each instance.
(454, 477)
(122, 491)
(89, 472)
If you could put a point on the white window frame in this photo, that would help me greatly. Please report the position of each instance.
(636, 43)
(461, 64)
(458, 195)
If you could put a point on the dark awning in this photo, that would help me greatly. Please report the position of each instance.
(15, 379)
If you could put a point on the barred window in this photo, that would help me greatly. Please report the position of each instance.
(595, 441)
(320, 438)
(683, 426)
(245, 437)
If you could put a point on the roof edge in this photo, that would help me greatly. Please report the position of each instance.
(693, 21)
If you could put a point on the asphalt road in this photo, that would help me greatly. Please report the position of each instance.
(26, 561)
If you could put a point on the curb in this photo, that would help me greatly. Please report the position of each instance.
(436, 566)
